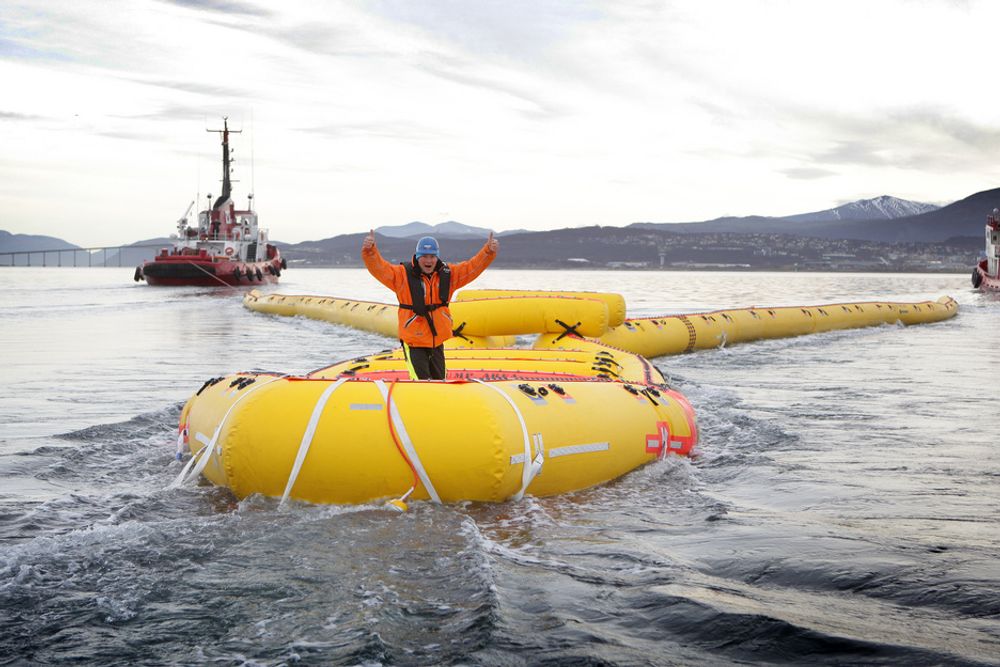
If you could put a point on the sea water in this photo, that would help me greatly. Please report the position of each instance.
(843, 505)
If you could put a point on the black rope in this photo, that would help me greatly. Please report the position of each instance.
(569, 330)
(458, 332)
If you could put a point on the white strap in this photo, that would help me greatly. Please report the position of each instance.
(307, 438)
(404, 438)
(206, 452)
(198, 462)
(539, 460)
(528, 470)
(184, 471)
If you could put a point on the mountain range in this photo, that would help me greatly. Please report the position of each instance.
(27, 242)
(818, 223)
(885, 219)
(883, 233)
(869, 228)
(447, 230)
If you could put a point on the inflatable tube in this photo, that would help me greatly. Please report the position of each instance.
(614, 302)
(520, 421)
(502, 316)
(492, 322)
(927, 311)
(553, 357)
(676, 334)
(519, 315)
(379, 318)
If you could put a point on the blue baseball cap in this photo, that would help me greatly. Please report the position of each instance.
(428, 245)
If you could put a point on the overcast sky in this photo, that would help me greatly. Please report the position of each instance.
(505, 114)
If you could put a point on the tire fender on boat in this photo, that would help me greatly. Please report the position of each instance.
(977, 277)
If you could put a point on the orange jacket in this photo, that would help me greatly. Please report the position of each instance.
(413, 329)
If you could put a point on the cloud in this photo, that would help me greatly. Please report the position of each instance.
(12, 115)
(855, 153)
(213, 90)
(915, 138)
(223, 6)
(21, 45)
(519, 30)
(526, 112)
(457, 71)
(128, 135)
(184, 112)
(381, 130)
(321, 39)
(808, 173)
(950, 125)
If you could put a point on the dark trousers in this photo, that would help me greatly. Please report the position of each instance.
(427, 362)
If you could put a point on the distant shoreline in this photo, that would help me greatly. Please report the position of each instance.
(678, 269)
(666, 269)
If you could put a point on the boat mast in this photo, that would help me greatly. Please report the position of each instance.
(252, 191)
(226, 187)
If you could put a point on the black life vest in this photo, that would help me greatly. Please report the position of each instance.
(415, 282)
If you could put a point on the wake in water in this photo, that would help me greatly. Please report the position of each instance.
(684, 561)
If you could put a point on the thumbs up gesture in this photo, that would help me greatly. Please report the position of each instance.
(369, 241)
(492, 243)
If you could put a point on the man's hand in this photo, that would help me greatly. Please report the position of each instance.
(369, 241)
(492, 243)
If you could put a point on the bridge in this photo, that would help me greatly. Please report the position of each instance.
(99, 256)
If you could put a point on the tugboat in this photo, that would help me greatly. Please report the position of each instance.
(227, 248)
(986, 275)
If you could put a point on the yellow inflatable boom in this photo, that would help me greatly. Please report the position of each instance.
(614, 302)
(489, 318)
(499, 316)
(675, 334)
(379, 318)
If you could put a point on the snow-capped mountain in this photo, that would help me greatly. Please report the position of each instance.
(877, 208)
(448, 230)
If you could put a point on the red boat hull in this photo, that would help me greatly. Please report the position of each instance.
(180, 271)
(983, 280)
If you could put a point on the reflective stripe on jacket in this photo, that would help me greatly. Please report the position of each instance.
(413, 329)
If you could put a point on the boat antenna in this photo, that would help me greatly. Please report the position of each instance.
(253, 189)
(197, 185)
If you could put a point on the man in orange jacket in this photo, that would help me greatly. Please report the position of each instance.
(424, 286)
